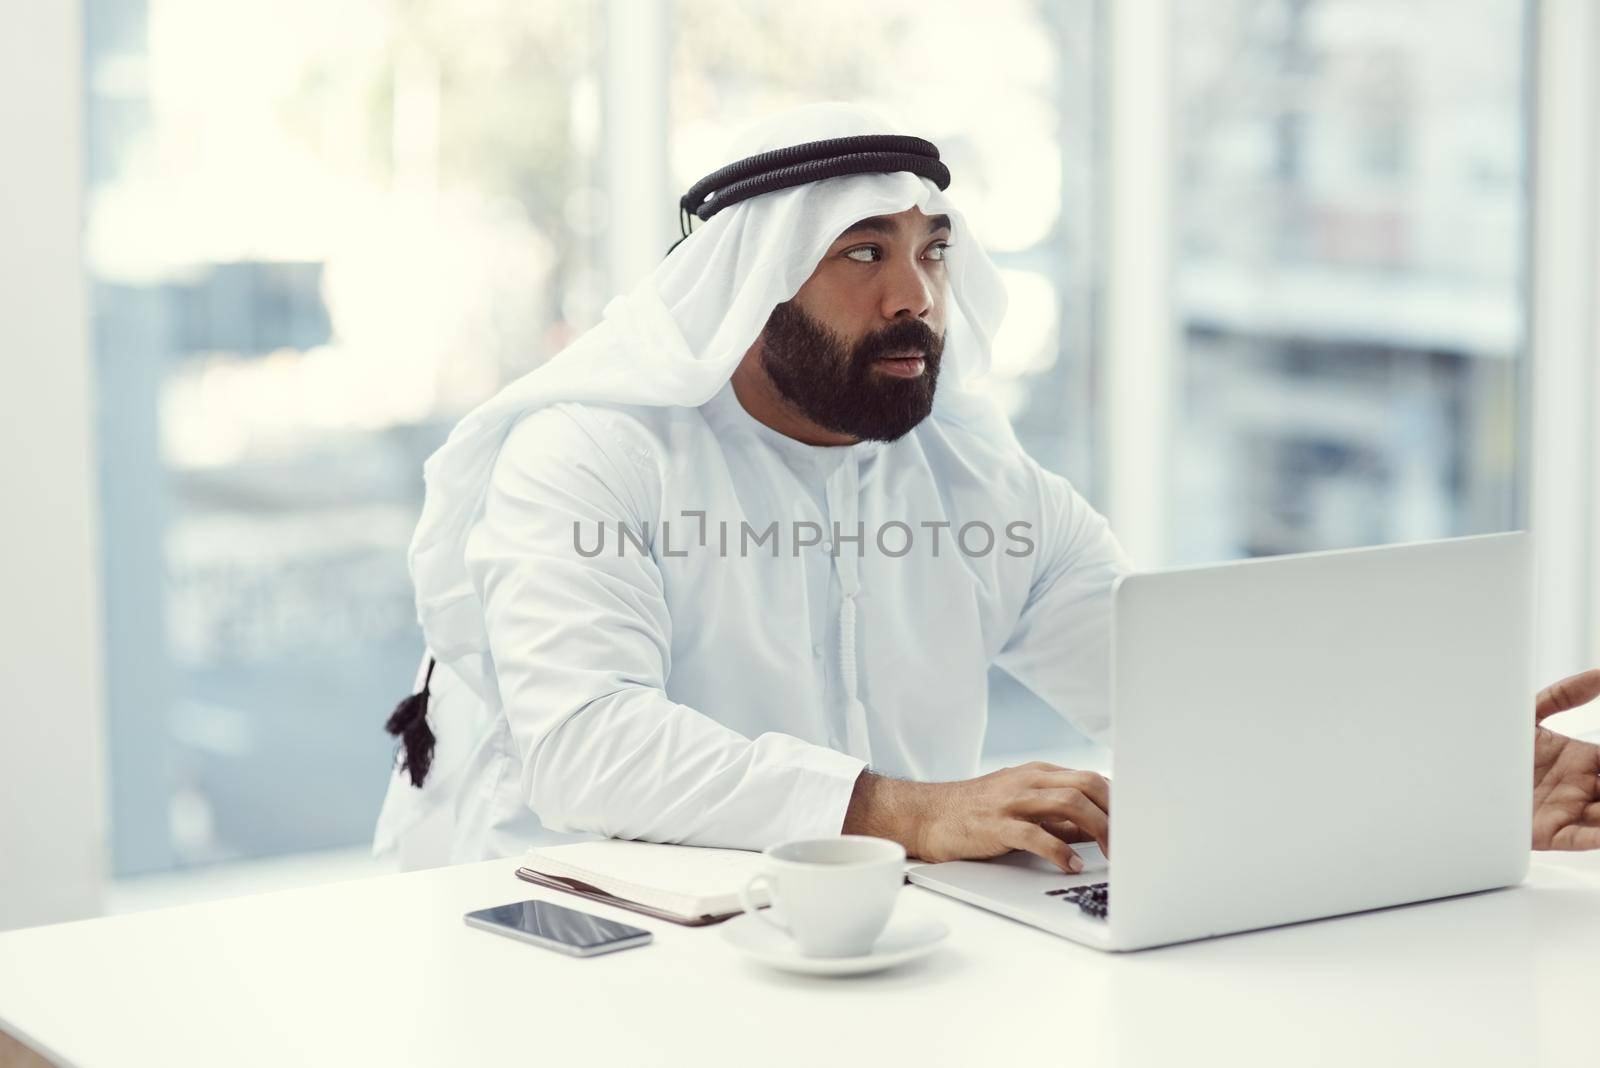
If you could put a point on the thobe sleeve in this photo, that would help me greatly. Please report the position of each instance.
(1060, 647)
(582, 652)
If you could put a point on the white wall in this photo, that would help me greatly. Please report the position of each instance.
(1562, 444)
(52, 853)
(1140, 326)
(634, 140)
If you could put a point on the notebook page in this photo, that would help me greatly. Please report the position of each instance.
(685, 879)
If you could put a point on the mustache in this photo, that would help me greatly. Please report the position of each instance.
(897, 338)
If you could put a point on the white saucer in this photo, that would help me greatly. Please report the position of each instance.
(906, 938)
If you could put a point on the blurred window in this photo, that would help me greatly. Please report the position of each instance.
(317, 234)
(1351, 203)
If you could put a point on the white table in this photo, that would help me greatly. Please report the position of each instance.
(383, 972)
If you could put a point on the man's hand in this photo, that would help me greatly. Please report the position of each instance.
(1036, 807)
(1566, 772)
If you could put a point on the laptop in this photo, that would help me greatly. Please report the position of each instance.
(1296, 738)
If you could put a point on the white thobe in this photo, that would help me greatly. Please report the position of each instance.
(696, 682)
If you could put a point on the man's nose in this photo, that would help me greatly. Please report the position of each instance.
(907, 292)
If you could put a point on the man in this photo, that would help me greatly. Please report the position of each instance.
(733, 567)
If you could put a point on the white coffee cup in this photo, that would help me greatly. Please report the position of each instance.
(834, 894)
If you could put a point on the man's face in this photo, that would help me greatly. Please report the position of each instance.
(857, 349)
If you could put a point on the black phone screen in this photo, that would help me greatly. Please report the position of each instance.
(567, 926)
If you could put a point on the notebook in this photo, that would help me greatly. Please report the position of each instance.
(691, 885)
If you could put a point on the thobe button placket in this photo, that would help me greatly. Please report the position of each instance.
(843, 492)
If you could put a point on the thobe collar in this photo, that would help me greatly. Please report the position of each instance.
(728, 415)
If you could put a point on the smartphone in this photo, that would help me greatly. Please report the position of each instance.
(561, 929)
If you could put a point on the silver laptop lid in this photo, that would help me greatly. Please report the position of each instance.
(1355, 725)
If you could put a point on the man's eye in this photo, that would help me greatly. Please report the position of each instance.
(938, 251)
(863, 254)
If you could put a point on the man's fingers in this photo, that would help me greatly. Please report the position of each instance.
(1041, 843)
(1569, 693)
(1096, 787)
(1068, 804)
(1067, 831)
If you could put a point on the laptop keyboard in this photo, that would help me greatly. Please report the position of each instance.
(1094, 899)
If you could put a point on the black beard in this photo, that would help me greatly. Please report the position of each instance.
(835, 386)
